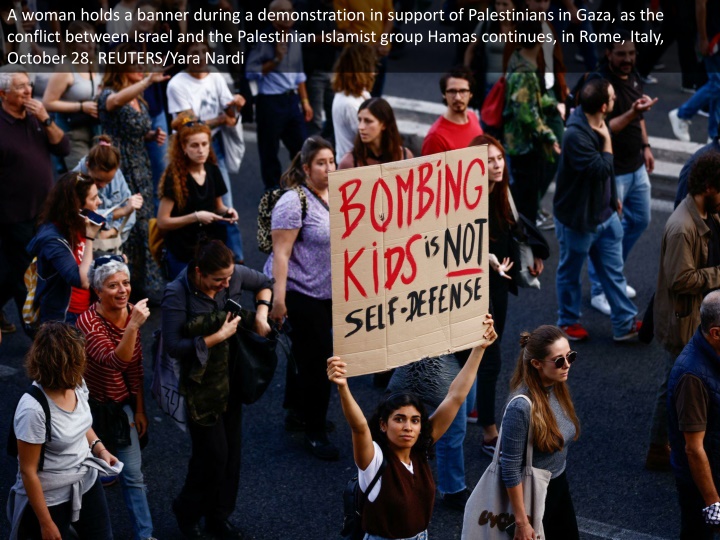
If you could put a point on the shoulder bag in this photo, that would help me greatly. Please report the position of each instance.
(488, 512)
(521, 251)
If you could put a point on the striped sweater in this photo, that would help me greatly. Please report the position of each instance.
(109, 378)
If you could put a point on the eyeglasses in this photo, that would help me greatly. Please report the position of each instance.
(106, 259)
(455, 92)
(570, 357)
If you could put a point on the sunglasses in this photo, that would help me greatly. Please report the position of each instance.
(106, 259)
(560, 360)
(83, 178)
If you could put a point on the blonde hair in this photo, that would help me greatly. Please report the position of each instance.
(536, 345)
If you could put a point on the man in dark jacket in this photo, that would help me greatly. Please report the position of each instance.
(586, 215)
(694, 420)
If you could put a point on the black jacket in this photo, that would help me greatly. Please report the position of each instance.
(584, 169)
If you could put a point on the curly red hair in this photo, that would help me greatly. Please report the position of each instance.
(185, 125)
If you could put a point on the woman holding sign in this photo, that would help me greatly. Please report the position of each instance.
(397, 440)
(378, 139)
(300, 264)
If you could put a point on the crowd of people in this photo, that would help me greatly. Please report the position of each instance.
(116, 197)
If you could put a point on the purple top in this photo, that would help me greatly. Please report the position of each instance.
(309, 265)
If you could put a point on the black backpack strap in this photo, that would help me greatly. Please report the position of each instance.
(376, 478)
(41, 398)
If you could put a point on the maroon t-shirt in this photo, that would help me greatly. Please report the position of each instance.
(26, 173)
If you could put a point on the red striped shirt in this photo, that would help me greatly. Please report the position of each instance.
(109, 378)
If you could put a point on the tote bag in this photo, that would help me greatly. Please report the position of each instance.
(488, 511)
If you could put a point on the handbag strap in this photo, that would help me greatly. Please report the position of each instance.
(512, 206)
(122, 225)
(529, 447)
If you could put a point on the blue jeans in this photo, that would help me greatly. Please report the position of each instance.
(234, 239)
(173, 265)
(158, 155)
(420, 536)
(604, 246)
(450, 455)
(133, 485)
(708, 94)
(634, 192)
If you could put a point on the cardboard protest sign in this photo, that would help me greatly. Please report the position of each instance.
(409, 243)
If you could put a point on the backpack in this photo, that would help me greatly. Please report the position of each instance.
(12, 449)
(353, 502)
(31, 308)
(264, 219)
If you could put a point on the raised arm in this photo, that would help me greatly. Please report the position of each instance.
(363, 449)
(460, 387)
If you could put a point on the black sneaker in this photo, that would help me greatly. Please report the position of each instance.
(189, 529)
(456, 501)
(321, 447)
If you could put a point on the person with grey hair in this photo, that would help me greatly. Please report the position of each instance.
(114, 376)
(27, 138)
(694, 422)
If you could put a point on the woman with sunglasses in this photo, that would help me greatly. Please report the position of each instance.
(541, 375)
(191, 191)
(114, 377)
(63, 247)
(398, 438)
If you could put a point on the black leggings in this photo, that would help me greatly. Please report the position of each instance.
(559, 520)
(93, 524)
(308, 391)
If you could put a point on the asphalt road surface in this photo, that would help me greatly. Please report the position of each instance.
(286, 493)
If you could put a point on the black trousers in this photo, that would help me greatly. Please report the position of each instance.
(93, 524)
(489, 369)
(559, 520)
(692, 522)
(528, 173)
(279, 118)
(213, 476)
(308, 391)
(14, 260)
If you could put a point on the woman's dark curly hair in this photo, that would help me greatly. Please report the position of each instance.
(388, 407)
(63, 204)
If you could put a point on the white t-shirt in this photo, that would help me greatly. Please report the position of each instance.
(366, 476)
(122, 25)
(206, 97)
(345, 121)
(69, 445)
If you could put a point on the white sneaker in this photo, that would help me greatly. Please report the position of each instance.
(600, 303)
(631, 293)
(680, 127)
